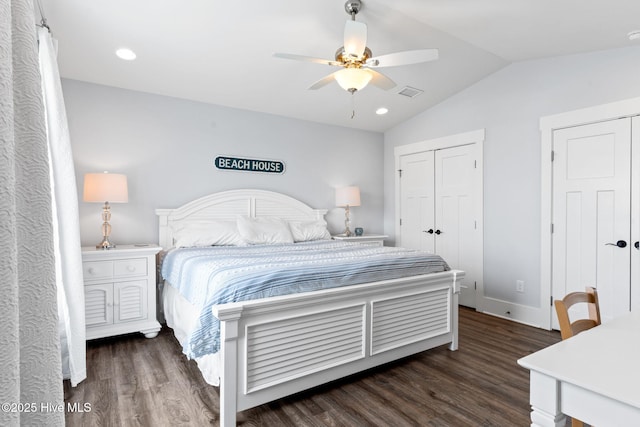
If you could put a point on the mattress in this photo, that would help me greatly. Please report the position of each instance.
(181, 316)
(206, 276)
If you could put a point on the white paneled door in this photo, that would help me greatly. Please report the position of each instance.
(591, 240)
(417, 201)
(437, 210)
(455, 220)
(635, 213)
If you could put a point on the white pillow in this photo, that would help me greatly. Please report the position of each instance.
(304, 231)
(214, 233)
(264, 231)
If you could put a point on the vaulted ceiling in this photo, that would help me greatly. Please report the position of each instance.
(221, 52)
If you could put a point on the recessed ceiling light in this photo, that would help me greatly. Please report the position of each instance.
(634, 35)
(381, 111)
(126, 54)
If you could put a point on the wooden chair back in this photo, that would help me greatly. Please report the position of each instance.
(568, 328)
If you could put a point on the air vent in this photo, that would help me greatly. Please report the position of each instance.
(410, 92)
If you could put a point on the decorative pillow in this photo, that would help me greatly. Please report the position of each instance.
(304, 231)
(264, 231)
(214, 233)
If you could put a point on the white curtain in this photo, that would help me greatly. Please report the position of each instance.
(66, 225)
(29, 340)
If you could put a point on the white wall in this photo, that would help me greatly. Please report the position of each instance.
(509, 104)
(166, 147)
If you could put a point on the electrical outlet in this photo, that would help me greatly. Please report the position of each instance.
(520, 286)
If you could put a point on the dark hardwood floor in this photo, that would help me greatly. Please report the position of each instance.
(134, 381)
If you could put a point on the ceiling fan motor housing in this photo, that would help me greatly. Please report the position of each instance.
(346, 60)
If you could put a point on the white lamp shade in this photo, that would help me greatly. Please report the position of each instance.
(105, 187)
(348, 196)
(353, 78)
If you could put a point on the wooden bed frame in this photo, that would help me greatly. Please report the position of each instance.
(274, 347)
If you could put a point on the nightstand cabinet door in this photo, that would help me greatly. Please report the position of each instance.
(120, 290)
(98, 305)
(131, 301)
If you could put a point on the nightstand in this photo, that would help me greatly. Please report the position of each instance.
(120, 290)
(367, 239)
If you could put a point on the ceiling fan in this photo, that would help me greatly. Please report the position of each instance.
(357, 61)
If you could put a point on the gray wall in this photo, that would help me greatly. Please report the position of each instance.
(509, 104)
(166, 147)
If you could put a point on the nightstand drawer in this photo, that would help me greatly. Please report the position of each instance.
(367, 239)
(130, 267)
(97, 270)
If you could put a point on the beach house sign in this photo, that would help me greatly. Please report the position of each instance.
(249, 165)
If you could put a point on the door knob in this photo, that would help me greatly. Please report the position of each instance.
(637, 245)
(619, 243)
(430, 231)
(438, 232)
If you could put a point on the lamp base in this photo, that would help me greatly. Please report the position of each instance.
(347, 223)
(105, 244)
(346, 233)
(106, 228)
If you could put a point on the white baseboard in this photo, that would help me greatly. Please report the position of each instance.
(508, 310)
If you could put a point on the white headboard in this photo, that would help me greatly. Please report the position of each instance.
(228, 205)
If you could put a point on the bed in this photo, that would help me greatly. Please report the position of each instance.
(280, 344)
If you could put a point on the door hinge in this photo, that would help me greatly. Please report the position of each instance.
(475, 164)
(400, 221)
(553, 155)
(551, 228)
(400, 173)
(475, 285)
(551, 300)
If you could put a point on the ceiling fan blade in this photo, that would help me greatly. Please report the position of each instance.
(355, 38)
(380, 80)
(306, 58)
(407, 57)
(323, 81)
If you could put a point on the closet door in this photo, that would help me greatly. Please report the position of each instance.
(416, 201)
(591, 213)
(635, 213)
(455, 214)
(437, 210)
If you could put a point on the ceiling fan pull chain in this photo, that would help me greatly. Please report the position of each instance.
(353, 105)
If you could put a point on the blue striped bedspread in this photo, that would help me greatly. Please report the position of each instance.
(208, 276)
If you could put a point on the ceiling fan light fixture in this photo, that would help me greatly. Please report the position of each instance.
(352, 79)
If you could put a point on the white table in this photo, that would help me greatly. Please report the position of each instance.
(594, 377)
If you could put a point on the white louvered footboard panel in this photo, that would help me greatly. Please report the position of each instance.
(285, 349)
(408, 319)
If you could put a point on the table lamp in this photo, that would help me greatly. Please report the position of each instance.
(346, 197)
(105, 188)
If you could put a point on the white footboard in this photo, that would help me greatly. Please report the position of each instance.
(278, 346)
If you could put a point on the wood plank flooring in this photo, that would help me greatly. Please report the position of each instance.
(134, 381)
